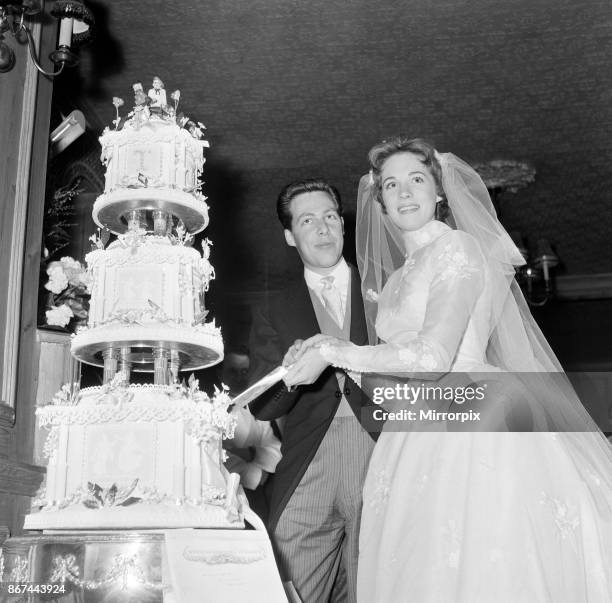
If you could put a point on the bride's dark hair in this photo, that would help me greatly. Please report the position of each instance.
(417, 146)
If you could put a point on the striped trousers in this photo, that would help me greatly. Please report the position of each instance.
(317, 536)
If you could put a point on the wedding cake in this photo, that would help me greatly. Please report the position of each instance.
(144, 456)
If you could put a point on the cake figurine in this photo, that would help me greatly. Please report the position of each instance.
(141, 105)
(157, 94)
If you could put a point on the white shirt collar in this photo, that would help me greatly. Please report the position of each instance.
(341, 274)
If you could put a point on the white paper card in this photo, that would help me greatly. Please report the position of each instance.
(224, 566)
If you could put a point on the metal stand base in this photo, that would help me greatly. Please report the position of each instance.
(87, 568)
(176, 566)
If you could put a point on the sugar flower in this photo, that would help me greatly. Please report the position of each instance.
(117, 102)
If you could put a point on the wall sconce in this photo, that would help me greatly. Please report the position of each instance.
(535, 276)
(76, 28)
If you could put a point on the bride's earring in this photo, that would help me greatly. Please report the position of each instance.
(438, 198)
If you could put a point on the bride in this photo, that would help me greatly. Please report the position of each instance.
(496, 512)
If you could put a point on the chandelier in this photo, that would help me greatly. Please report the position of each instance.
(534, 277)
(75, 29)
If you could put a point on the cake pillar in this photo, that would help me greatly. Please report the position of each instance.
(160, 366)
(174, 366)
(136, 219)
(125, 366)
(110, 364)
(160, 223)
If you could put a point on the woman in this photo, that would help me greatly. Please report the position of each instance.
(486, 514)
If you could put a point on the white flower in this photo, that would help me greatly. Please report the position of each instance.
(96, 241)
(455, 264)
(428, 362)
(371, 295)
(58, 280)
(206, 244)
(70, 263)
(408, 356)
(74, 271)
(59, 316)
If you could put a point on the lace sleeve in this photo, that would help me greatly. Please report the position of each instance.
(457, 281)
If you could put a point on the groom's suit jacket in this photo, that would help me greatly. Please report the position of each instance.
(309, 410)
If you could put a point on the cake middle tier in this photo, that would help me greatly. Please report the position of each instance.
(147, 292)
(147, 280)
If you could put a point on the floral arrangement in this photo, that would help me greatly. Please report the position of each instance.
(63, 289)
(68, 287)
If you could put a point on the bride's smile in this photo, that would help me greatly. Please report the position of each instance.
(408, 209)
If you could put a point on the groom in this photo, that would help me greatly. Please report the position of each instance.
(315, 500)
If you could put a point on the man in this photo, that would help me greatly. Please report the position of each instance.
(315, 499)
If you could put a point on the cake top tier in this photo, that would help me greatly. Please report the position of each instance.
(156, 109)
(154, 160)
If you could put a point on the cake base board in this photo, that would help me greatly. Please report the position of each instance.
(136, 516)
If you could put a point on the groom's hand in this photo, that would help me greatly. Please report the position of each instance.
(307, 369)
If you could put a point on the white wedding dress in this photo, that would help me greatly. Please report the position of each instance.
(471, 517)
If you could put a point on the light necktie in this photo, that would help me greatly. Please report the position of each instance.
(331, 298)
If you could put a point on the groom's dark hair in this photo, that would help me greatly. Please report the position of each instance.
(292, 190)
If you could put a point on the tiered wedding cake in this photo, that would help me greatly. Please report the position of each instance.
(144, 456)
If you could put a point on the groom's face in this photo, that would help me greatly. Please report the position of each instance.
(317, 231)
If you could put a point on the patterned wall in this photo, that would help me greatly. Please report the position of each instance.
(291, 89)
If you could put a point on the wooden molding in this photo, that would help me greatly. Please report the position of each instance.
(20, 478)
(20, 202)
(584, 286)
(27, 372)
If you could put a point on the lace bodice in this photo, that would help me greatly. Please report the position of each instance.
(433, 313)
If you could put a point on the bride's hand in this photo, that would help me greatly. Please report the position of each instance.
(316, 341)
(300, 347)
(307, 369)
(293, 353)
